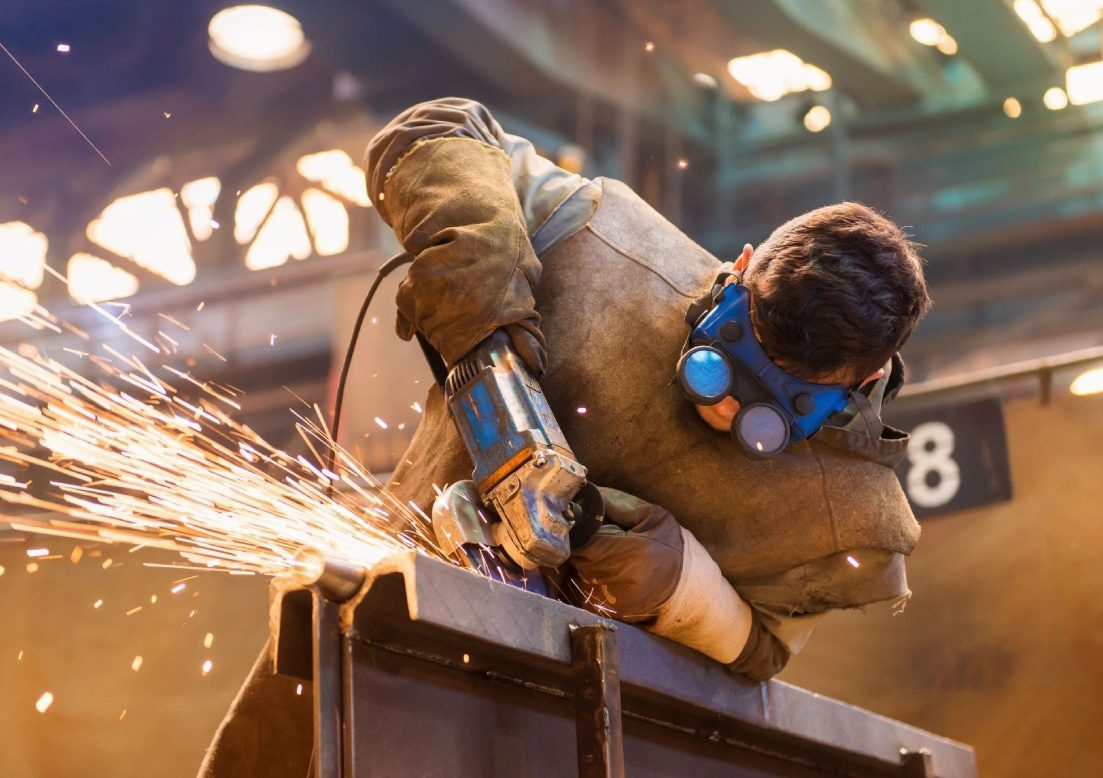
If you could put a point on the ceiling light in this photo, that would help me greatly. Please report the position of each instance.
(199, 197)
(328, 220)
(147, 228)
(95, 280)
(817, 119)
(705, 80)
(927, 31)
(283, 235)
(258, 38)
(1085, 83)
(1036, 20)
(252, 208)
(1013, 108)
(1072, 16)
(22, 254)
(336, 171)
(773, 74)
(1090, 382)
(1055, 98)
(16, 301)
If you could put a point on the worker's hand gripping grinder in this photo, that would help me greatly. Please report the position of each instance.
(540, 503)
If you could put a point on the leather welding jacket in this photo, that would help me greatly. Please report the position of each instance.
(501, 237)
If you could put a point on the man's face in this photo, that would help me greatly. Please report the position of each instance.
(721, 415)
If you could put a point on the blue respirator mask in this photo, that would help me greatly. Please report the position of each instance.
(723, 358)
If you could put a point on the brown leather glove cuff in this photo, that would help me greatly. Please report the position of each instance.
(763, 656)
(454, 209)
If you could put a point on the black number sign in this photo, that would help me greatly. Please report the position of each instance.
(957, 457)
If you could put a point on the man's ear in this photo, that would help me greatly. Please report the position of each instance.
(872, 377)
(744, 258)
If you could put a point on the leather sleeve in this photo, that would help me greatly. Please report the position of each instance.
(465, 199)
(788, 605)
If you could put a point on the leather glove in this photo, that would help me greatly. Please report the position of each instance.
(453, 206)
(651, 571)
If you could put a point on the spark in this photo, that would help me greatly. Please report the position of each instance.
(20, 657)
(63, 48)
(1, 569)
(582, 410)
(853, 562)
(184, 476)
(466, 659)
(208, 640)
(132, 611)
(178, 588)
(380, 422)
(168, 114)
(35, 109)
(33, 552)
(87, 140)
(44, 702)
(136, 665)
(171, 320)
(200, 306)
(153, 599)
(213, 351)
(32, 567)
(272, 340)
(97, 604)
(683, 163)
(207, 666)
(649, 46)
(122, 715)
(416, 407)
(299, 689)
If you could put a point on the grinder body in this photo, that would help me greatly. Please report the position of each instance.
(525, 471)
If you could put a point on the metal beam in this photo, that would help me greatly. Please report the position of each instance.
(415, 614)
(998, 45)
(515, 44)
(868, 56)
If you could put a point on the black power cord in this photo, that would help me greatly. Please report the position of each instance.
(394, 262)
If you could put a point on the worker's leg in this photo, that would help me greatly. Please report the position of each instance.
(268, 731)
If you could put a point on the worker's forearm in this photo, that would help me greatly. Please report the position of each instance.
(704, 612)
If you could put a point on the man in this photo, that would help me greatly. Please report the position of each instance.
(592, 286)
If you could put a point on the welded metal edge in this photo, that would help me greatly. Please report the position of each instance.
(428, 608)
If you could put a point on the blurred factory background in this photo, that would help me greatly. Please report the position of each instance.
(232, 227)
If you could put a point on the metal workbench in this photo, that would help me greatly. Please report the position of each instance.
(428, 670)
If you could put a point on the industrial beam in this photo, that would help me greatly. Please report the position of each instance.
(997, 43)
(515, 45)
(869, 55)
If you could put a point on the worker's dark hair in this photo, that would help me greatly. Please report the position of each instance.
(836, 292)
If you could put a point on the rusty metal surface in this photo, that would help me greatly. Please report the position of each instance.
(433, 661)
(598, 731)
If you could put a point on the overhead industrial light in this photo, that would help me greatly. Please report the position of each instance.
(927, 31)
(1089, 382)
(258, 38)
(1046, 17)
(931, 33)
(1012, 108)
(817, 118)
(1055, 98)
(1040, 25)
(95, 280)
(1084, 83)
(771, 75)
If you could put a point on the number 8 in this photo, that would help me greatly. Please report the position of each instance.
(930, 448)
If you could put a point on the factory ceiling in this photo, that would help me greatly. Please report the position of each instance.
(1006, 196)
